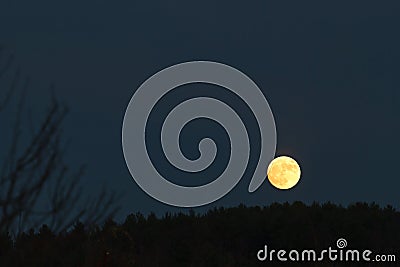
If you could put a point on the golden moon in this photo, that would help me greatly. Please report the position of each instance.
(283, 172)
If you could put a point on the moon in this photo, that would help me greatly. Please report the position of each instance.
(283, 172)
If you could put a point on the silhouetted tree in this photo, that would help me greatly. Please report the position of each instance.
(220, 237)
(36, 184)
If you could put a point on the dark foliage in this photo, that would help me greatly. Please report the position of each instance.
(221, 237)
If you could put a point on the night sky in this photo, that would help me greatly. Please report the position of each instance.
(330, 71)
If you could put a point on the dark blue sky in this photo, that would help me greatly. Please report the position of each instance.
(330, 72)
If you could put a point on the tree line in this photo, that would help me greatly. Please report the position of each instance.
(220, 237)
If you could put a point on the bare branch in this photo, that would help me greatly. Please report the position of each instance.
(35, 168)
